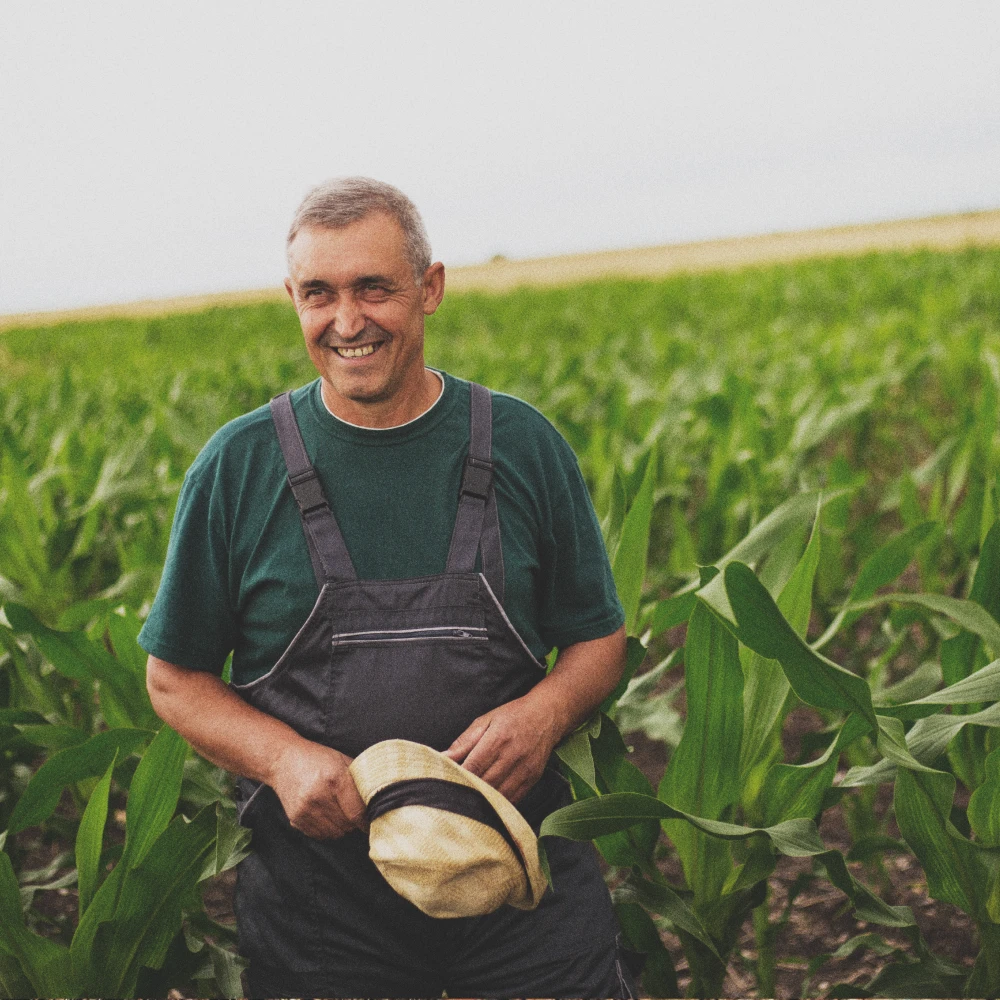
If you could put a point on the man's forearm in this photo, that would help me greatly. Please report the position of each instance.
(217, 722)
(583, 676)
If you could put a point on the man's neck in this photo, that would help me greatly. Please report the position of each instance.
(394, 413)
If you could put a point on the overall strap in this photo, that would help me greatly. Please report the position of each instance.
(477, 527)
(327, 550)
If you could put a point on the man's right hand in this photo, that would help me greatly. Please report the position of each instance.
(312, 781)
(317, 791)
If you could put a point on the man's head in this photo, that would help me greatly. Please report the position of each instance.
(361, 280)
(339, 202)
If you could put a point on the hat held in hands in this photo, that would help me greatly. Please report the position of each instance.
(441, 836)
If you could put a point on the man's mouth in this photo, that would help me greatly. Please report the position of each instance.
(358, 352)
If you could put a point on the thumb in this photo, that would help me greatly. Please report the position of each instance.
(462, 746)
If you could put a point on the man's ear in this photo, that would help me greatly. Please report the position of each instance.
(291, 292)
(433, 287)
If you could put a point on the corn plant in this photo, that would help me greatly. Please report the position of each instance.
(142, 928)
(745, 657)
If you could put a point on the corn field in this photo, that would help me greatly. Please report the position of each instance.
(797, 470)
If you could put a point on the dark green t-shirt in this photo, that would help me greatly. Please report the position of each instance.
(238, 576)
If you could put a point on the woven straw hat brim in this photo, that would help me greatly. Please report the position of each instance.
(392, 761)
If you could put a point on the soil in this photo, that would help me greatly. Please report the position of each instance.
(819, 922)
(821, 919)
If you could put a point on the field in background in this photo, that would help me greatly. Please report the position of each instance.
(943, 232)
(718, 397)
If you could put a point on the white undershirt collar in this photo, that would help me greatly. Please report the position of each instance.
(395, 427)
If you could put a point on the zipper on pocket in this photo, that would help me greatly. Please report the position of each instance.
(422, 634)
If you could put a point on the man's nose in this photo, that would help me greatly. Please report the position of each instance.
(348, 318)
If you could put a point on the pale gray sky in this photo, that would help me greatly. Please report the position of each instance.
(159, 149)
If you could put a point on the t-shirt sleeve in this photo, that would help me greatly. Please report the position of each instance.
(579, 601)
(191, 623)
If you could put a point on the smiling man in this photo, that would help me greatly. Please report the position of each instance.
(387, 552)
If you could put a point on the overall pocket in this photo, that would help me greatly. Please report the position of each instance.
(423, 683)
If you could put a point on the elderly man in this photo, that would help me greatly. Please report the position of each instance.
(451, 541)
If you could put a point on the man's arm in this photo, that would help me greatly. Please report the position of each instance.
(311, 780)
(510, 746)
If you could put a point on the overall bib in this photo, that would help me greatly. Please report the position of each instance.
(416, 659)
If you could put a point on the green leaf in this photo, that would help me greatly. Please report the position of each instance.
(663, 900)
(867, 905)
(971, 616)
(149, 907)
(153, 795)
(766, 684)
(574, 752)
(881, 568)
(227, 966)
(984, 805)
(798, 512)
(654, 714)
(53, 737)
(702, 776)
(616, 773)
(983, 685)
(44, 963)
(748, 610)
(629, 563)
(669, 613)
(659, 978)
(90, 838)
(955, 872)
(792, 790)
(66, 767)
(926, 741)
(590, 818)
(77, 657)
(232, 843)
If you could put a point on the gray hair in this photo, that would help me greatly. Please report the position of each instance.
(343, 200)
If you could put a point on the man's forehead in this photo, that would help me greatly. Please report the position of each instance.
(374, 243)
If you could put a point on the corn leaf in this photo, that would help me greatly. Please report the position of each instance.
(746, 608)
(663, 900)
(77, 657)
(971, 616)
(629, 563)
(659, 977)
(984, 805)
(983, 685)
(90, 838)
(792, 790)
(153, 795)
(879, 569)
(766, 684)
(44, 963)
(595, 817)
(149, 907)
(66, 767)
(955, 868)
(702, 776)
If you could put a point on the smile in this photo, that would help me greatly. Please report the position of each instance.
(357, 352)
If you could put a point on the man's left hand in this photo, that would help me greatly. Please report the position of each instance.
(509, 746)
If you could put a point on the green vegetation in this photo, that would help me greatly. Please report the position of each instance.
(797, 471)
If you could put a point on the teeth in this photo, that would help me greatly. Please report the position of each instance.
(356, 352)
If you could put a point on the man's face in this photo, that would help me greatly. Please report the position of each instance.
(362, 312)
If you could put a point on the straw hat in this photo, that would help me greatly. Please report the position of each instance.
(441, 836)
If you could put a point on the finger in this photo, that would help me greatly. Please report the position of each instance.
(350, 804)
(468, 740)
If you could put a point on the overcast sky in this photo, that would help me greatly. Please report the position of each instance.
(160, 149)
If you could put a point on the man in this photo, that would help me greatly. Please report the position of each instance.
(452, 543)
